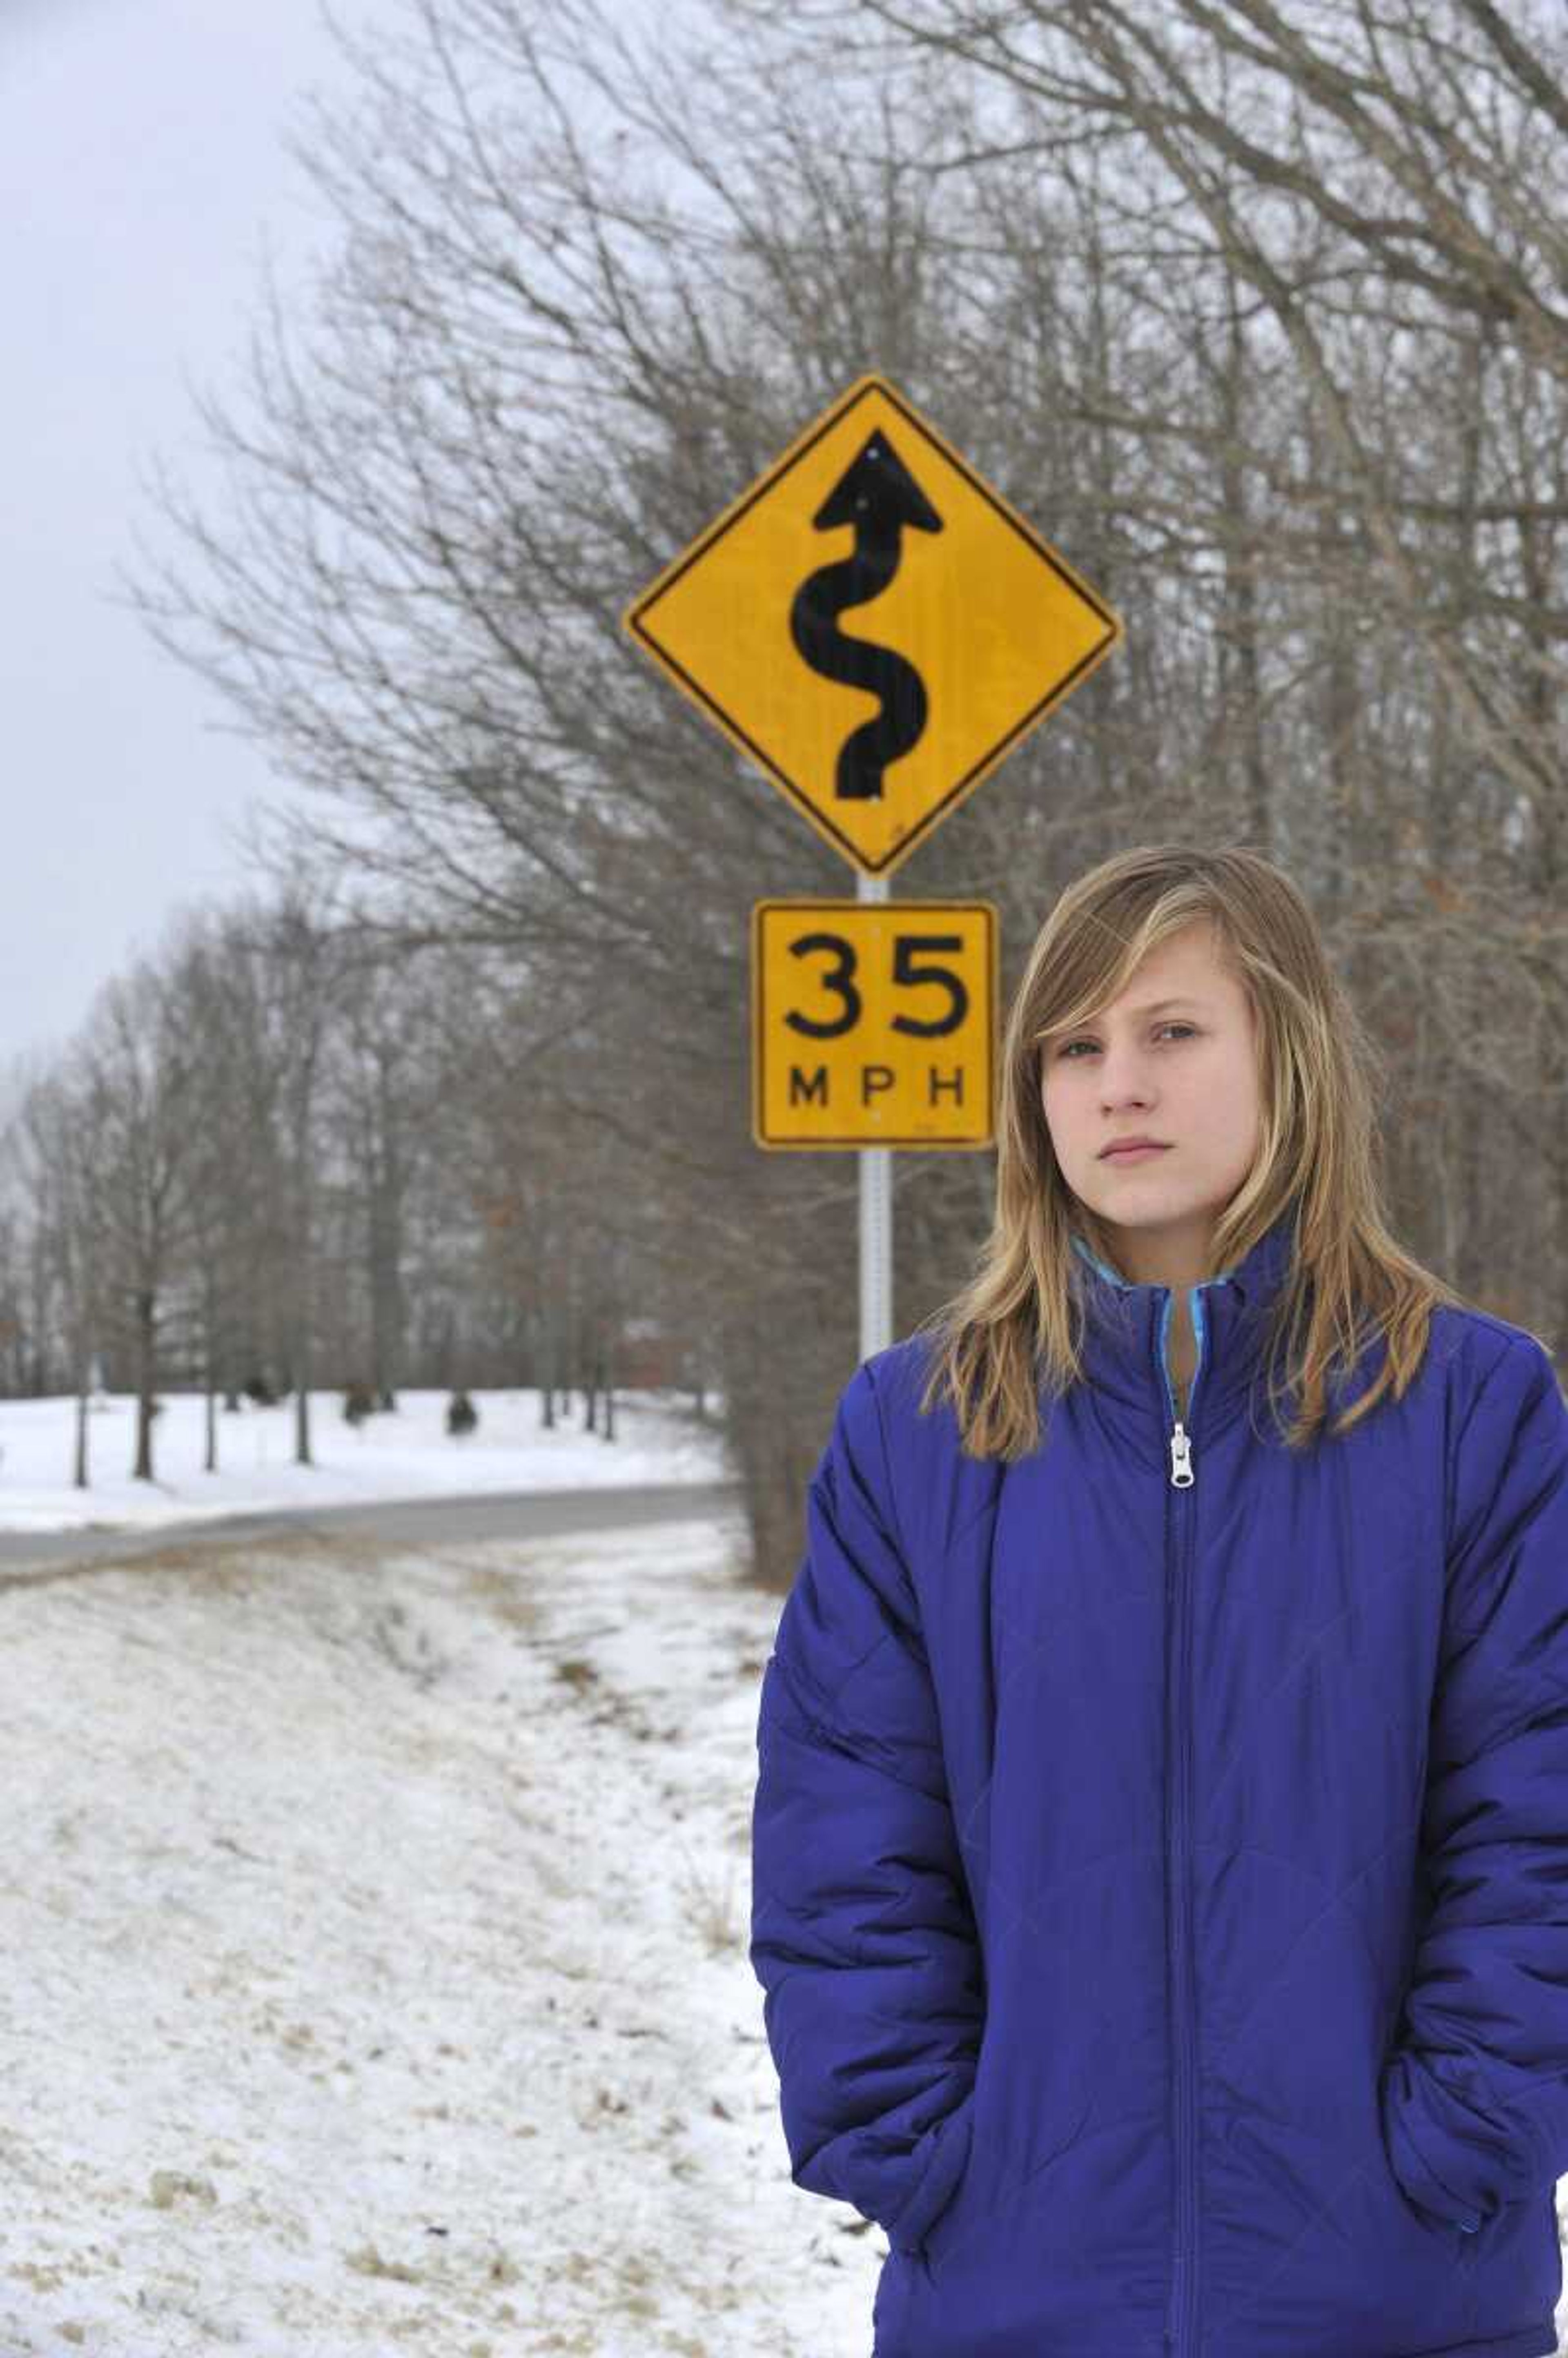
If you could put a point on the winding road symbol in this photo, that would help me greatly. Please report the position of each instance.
(877, 715)
(881, 498)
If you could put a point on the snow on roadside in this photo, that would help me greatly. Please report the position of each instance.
(403, 1453)
(375, 1925)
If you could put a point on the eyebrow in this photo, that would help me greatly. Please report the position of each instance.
(1154, 1006)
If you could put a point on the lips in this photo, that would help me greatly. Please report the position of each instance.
(1133, 1154)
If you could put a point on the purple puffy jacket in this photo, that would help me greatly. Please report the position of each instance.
(1160, 1853)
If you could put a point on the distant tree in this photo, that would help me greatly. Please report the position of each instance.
(61, 1165)
(136, 1102)
(291, 954)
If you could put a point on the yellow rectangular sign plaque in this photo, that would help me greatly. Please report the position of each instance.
(873, 625)
(873, 1023)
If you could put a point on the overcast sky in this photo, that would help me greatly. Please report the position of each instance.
(142, 176)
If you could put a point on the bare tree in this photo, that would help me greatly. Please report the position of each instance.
(135, 1104)
(56, 1153)
(1371, 205)
(294, 958)
(539, 391)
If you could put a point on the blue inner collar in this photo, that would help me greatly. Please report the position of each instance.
(1129, 1285)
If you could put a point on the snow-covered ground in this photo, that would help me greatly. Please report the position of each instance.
(374, 1925)
(375, 1979)
(403, 1453)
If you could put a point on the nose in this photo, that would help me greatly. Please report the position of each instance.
(1124, 1077)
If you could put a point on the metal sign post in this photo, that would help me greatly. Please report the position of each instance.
(876, 1208)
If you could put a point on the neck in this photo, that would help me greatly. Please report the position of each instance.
(1178, 1261)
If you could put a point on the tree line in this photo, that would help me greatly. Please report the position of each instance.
(277, 1157)
(1256, 312)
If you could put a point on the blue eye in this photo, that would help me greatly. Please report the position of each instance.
(1062, 1053)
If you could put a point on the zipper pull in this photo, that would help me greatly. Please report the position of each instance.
(1181, 1458)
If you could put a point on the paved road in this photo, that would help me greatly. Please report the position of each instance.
(496, 1515)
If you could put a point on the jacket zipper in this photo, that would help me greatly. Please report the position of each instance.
(1182, 2309)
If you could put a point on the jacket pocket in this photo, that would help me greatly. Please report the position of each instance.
(944, 2164)
(1408, 2149)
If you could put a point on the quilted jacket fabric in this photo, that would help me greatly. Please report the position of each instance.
(1159, 1851)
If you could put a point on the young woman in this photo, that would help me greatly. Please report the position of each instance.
(1161, 1835)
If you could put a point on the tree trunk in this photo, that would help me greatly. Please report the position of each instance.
(146, 1379)
(83, 1388)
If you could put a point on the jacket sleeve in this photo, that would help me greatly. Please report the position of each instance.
(862, 1934)
(1474, 2099)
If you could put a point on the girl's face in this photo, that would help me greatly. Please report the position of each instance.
(1184, 1073)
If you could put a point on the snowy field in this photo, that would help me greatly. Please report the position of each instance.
(374, 1930)
(406, 1453)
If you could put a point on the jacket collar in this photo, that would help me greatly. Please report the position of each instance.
(1126, 1327)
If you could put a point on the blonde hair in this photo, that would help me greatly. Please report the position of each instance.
(1013, 1326)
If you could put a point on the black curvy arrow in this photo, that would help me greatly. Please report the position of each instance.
(880, 497)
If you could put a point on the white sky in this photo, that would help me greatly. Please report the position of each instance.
(143, 175)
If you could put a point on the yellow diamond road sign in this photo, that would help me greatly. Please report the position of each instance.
(873, 1023)
(874, 626)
